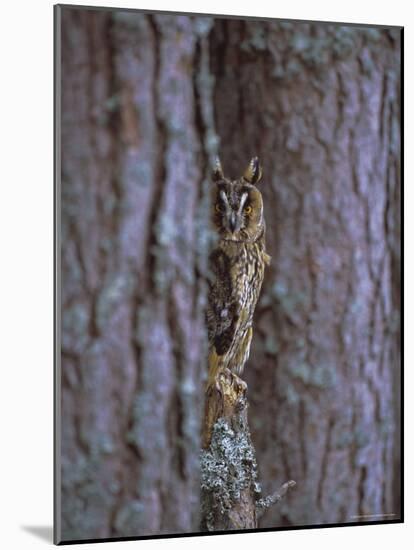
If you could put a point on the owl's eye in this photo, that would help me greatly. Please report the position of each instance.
(248, 210)
(217, 207)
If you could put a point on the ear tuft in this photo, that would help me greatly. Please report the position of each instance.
(253, 173)
(217, 171)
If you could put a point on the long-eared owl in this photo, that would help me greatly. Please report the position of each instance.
(237, 264)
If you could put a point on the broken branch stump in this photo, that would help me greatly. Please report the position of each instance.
(230, 491)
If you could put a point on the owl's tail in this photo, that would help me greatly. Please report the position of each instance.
(215, 365)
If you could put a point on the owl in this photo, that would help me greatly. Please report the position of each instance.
(237, 266)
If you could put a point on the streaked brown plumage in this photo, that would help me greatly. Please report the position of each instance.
(237, 264)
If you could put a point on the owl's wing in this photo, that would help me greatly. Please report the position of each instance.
(223, 322)
(224, 312)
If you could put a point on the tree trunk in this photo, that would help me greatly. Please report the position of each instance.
(134, 253)
(319, 104)
(141, 99)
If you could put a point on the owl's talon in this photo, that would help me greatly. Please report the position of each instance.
(214, 384)
(236, 381)
(243, 385)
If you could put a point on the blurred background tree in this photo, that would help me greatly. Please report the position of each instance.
(146, 102)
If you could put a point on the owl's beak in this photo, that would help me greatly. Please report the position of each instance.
(233, 222)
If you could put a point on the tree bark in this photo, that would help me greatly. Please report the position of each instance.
(146, 103)
(229, 481)
(231, 494)
(319, 104)
(134, 252)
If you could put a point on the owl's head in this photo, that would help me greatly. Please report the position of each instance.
(237, 204)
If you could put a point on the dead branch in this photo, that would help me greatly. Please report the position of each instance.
(264, 503)
(230, 490)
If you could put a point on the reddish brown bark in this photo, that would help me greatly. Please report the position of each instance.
(319, 104)
(133, 257)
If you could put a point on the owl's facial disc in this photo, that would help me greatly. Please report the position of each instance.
(234, 215)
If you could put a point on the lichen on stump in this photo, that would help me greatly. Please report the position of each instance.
(230, 490)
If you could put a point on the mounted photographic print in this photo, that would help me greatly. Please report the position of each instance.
(228, 274)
